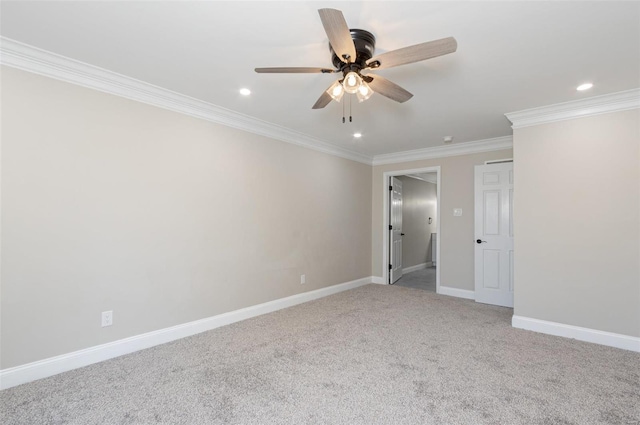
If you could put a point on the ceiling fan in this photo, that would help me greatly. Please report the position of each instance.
(352, 54)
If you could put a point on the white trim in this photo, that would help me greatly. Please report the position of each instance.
(415, 268)
(385, 217)
(610, 339)
(378, 280)
(54, 365)
(456, 292)
(28, 58)
(614, 102)
(486, 145)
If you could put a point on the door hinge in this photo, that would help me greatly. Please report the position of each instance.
(390, 187)
(390, 267)
(390, 227)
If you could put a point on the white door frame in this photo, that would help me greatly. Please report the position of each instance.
(385, 218)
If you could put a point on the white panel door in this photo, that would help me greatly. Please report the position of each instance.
(494, 234)
(395, 230)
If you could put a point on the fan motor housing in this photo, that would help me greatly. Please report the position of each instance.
(365, 44)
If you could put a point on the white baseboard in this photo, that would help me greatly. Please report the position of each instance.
(65, 362)
(456, 292)
(415, 268)
(379, 280)
(582, 334)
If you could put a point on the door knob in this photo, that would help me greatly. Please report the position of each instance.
(481, 241)
(401, 234)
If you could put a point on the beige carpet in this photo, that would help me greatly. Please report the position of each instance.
(374, 355)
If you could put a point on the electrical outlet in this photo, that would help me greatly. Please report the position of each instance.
(303, 279)
(107, 318)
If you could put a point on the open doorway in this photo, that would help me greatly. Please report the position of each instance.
(412, 228)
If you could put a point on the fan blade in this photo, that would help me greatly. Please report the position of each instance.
(322, 101)
(387, 88)
(301, 70)
(415, 53)
(339, 35)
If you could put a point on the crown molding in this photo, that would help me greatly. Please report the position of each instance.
(614, 102)
(486, 145)
(29, 58)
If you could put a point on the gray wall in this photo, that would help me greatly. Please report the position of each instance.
(577, 222)
(457, 234)
(418, 204)
(110, 204)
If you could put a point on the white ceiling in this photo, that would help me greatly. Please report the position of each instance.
(511, 56)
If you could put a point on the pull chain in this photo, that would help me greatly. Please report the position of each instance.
(343, 111)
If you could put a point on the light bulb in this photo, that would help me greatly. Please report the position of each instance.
(337, 90)
(352, 82)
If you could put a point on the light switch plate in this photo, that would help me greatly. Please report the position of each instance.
(457, 212)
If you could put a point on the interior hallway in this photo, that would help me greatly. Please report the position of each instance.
(420, 279)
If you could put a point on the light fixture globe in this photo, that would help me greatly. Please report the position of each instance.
(364, 92)
(336, 91)
(352, 82)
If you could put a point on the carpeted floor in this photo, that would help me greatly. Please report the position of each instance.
(420, 279)
(378, 354)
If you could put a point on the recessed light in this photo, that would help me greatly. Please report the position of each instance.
(245, 92)
(585, 86)
(448, 139)
(357, 135)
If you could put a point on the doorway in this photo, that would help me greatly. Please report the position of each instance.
(411, 251)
